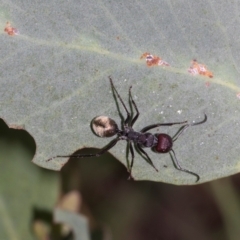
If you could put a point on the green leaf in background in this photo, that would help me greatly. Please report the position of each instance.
(25, 190)
(54, 78)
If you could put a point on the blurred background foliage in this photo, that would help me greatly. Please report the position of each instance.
(27, 192)
(115, 207)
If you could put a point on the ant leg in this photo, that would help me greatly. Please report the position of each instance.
(203, 121)
(147, 158)
(177, 165)
(126, 121)
(135, 106)
(132, 160)
(102, 151)
(180, 131)
(160, 124)
(170, 124)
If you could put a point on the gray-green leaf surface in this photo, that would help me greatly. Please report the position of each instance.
(54, 78)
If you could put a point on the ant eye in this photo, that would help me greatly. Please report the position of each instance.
(164, 144)
(104, 126)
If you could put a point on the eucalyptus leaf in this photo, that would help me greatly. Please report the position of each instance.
(54, 78)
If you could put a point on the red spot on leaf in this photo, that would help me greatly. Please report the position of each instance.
(152, 60)
(198, 68)
(10, 30)
(207, 84)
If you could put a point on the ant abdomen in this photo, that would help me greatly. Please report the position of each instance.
(104, 126)
(164, 143)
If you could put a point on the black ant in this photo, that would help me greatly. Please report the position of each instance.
(160, 142)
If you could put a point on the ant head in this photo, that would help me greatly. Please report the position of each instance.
(164, 143)
(103, 126)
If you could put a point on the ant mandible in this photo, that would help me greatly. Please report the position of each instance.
(160, 142)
